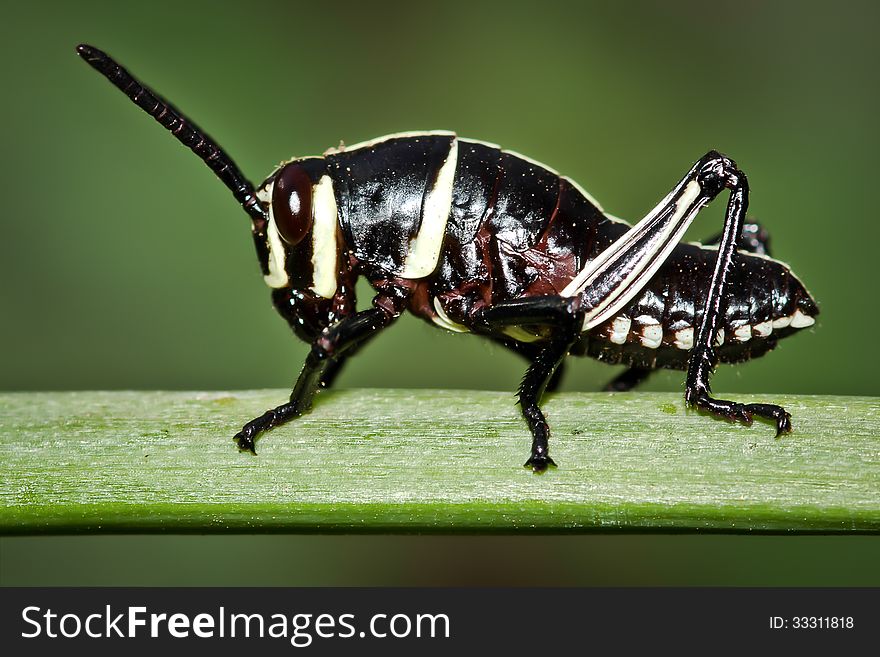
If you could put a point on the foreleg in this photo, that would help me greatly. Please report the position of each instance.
(321, 364)
(333, 369)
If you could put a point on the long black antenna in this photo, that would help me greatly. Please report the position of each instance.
(187, 132)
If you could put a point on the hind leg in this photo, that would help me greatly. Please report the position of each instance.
(619, 272)
(703, 358)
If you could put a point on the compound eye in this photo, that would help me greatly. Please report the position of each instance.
(292, 203)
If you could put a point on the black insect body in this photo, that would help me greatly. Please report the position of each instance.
(473, 238)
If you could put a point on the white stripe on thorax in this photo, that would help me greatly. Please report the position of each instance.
(324, 250)
(424, 249)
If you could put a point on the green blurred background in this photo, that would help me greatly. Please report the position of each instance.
(126, 265)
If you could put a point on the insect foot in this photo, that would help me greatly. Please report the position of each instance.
(540, 459)
(744, 412)
(245, 439)
(539, 463)
(775, 413)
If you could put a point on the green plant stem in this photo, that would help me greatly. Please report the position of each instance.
(431, 461)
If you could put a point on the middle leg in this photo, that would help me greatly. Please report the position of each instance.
(530, 351)
(565, 317)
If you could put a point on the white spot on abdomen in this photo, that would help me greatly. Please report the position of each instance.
(763, 329)
(651, 334)
(742, 333)
(620, 329)
(684, 338)
(799, 320)
(796, 320)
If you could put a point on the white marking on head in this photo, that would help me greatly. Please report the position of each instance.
(620, 329)
(324, 228)
(264, 194)
(763, 329)
(799, 320)
(684, 338)
(743, 333)
(443, 321)
(647, 319)
(424, 249)
(781, 322)
(277, 276)
(652, 336)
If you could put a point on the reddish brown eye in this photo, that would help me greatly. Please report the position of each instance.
(292, 203)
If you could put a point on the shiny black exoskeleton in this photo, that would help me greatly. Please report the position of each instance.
(473, 238)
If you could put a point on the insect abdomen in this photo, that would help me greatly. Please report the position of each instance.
(766, 302)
